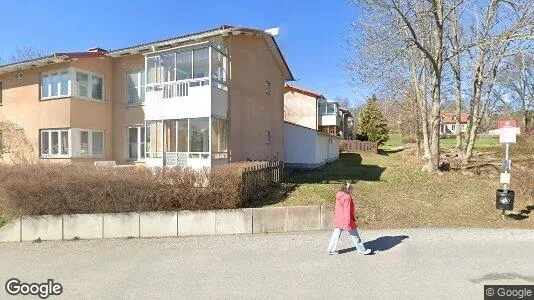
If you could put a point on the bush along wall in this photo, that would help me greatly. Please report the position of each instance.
(41, 189)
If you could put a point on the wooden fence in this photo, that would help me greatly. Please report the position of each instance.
(259, 177)
(357, 146)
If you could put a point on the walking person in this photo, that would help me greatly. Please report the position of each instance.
(344, 219)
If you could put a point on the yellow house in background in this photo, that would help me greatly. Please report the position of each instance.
(198, 100)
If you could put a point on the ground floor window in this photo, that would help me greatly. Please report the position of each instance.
(219, 138)
(136, 143)
(54, 143)
(87, 143)
(67, 143)
(186, 136)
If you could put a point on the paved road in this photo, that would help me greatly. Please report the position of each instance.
(413, 263)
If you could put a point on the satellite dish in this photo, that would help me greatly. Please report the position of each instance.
(273, 31)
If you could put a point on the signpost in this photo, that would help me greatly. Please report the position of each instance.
(505, 197)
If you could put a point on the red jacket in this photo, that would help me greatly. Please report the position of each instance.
(344, 213)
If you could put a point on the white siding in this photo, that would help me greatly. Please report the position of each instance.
(196, 104)
(299, 144)
(307, 147)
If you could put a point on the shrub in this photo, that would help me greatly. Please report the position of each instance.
(70, 189)
(373, 125)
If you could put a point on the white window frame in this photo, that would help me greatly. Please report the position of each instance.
(90, 75)
(59, 86)
(140, 143)
(90, 143)
(49, 132)
(141, 75)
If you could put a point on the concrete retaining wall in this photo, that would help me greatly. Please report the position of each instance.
(160, 224)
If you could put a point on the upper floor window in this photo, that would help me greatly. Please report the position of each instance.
(89, 86)
(135, 94)
(55, 84)
(59, 84)
(187, 64)
(327, 109)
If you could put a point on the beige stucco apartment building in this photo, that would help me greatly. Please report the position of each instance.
(199, 100)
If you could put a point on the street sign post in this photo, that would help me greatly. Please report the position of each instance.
(505, 196)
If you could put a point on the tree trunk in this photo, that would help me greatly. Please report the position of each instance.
(424, 115)
(435, 118)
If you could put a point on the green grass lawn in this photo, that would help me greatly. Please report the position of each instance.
(480, 143)
(395, 140)
(392, 191)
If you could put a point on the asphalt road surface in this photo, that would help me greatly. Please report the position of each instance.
(409, 264)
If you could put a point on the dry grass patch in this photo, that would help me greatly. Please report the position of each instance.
(392, 191)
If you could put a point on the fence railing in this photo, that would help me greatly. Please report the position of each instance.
(257, 178)
(358, 146)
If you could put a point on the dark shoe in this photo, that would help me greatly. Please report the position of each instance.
(333, 252)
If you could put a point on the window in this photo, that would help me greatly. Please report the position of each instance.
(87, 143)
(152, 65)
(182, 135)
(199, 135)
(327, 108)
(55, 85)
(136, 143)
(267, 137)
(96, 92)
(453, 128)
(97, 143)
(168, 66)
(184, 64)
(54, 143)
(219, 135)
(82, 82)
(218, 66)
(267, 87)
(201, 62)
(135, 94)
(89, 86)
(170, 135)
(154, 139)
(84, 143)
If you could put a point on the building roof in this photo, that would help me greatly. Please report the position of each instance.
(47, 60)
(315, 130)
(345, 110)
(224, 30)
(303, 90)
(450, 118)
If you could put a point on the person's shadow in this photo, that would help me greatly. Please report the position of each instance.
(380, 244)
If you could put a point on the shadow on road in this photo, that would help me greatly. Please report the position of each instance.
(381, 244)
(384, 243)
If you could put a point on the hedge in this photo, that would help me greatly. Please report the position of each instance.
(76, 189)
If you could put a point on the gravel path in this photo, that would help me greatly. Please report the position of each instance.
(412, 263)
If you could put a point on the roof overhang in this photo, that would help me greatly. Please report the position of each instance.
(198, 37)
(163, 45)
(47, 60)
(304, 91)
(44, 61)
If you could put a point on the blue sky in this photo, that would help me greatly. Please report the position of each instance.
(312, 35)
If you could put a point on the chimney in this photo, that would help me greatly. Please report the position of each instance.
(98, 50)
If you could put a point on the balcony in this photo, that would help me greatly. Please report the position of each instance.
(187, 82)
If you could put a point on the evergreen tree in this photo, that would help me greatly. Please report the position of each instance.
(373, 125)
